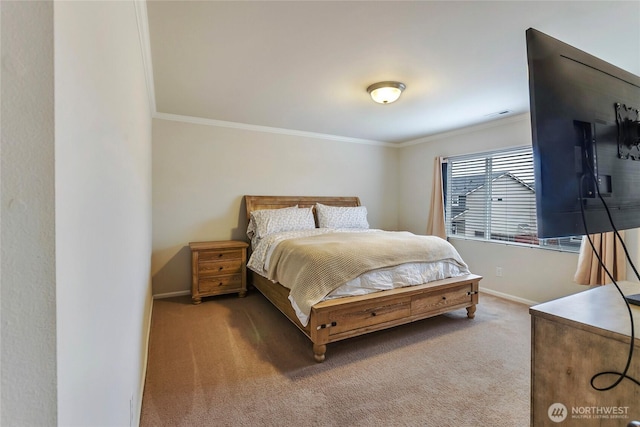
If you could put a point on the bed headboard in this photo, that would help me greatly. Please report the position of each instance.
(255, 203)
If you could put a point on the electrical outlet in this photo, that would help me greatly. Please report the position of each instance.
(499, 271)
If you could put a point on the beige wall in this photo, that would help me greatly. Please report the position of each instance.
(27, 229)
(528, 274)
(103, 213)
(201, 172)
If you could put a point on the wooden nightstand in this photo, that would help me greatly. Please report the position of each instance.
(218, 268)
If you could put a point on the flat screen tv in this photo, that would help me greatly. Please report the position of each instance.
(586, 140)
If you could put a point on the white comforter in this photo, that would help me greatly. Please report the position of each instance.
(376, 280)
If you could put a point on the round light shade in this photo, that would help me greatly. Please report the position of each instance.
(386, 92)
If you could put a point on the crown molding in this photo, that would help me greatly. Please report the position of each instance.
(469, 129)
(142, 19)
(291, 132)
(267, 129)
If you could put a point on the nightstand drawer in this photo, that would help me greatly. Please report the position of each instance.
(220, 255)
(220, 283)
(216, 268)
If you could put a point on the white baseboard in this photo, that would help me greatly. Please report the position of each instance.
(171, 294)
(135, 422)
(509, 297)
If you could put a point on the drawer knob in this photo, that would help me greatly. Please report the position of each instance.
(444, 298)
(373, 313)
(220, 269)
(220, 284)
(219, 255)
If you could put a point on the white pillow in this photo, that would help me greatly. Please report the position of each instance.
(268, 221)
(341, 216)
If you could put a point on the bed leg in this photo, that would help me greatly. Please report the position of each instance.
(471, 311)
(318, 352)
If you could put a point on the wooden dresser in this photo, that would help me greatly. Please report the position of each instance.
(217, 268)
(572, 339)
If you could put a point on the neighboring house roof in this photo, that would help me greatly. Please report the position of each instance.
(456, 217)
(465, 185)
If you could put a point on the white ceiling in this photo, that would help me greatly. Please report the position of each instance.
(305, 65)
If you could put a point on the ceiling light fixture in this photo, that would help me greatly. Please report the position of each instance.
(386, 92)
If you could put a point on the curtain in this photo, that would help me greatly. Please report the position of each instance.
(610, 250)
(435, 222)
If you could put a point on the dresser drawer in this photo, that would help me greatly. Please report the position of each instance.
(220, 254)
(441, 299)
(220, 283)
(216, 268)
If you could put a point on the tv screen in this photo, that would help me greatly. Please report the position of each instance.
(586, 130)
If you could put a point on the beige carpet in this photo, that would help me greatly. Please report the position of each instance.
(238, 362)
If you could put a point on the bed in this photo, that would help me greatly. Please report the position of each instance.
(331, 320)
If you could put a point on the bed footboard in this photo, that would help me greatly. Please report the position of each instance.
(343, 318)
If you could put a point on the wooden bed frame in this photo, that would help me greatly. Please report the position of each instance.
(347, 317)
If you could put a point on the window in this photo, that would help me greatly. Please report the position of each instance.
(491, 196)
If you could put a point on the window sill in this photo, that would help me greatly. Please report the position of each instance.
(520, 245)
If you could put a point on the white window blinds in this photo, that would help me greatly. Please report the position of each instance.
(491, 196)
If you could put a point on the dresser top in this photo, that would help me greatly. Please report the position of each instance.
(600, 310)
